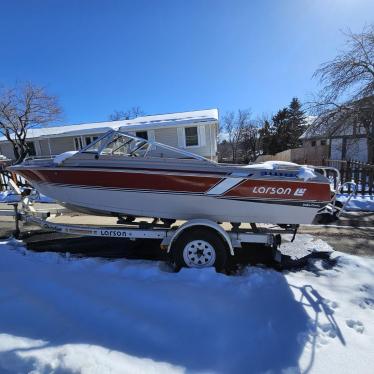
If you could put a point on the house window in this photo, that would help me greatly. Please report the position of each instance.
(192, 138)
(142, 134)
(314, 143)
(323, 142)
(78, 143)
(90, 139)
(31, 148)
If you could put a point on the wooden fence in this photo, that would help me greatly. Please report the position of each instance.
(360, 173)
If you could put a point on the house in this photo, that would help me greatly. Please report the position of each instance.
(343, 133)
(194, 131)
(334, 142)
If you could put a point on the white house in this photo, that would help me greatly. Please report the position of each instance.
(194, 131)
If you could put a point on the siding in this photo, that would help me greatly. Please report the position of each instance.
(206, 150)
(6, 150)
(336, 149)
(167, 136)
(60, 145)
(357, 150)
(44, 149)
(315, 154)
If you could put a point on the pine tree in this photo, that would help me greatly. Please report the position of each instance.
(281, 135)
(297, 123)
(266, 138)
(285, 129)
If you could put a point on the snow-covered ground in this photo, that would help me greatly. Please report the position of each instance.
(60, 314)
(359, 202)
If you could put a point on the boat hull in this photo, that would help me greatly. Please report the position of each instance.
(179, 205)
(172, 190)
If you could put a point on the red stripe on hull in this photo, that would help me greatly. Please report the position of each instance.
(281, 190)
(162, 182)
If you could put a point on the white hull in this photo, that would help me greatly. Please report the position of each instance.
(178, 205)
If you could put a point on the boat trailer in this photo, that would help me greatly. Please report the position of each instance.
(194, 243)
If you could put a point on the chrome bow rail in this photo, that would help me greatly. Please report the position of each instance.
(335, 208)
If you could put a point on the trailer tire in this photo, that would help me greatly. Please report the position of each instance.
(199, 248)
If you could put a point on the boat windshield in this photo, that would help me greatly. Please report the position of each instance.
(122, 144)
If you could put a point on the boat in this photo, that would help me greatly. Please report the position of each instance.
(125, 176)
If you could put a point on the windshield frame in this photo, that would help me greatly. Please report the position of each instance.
(110, 135)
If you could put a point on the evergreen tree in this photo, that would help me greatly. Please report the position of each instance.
(297, 123)
(284, 129)
(266, 138)
(288, 124)
(281, 137)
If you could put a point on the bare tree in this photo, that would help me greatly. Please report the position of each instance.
(346, 102)
(250, 142)
(352, 71)
(224, 151)
(234, 126)
(131, 113)
(22, 107)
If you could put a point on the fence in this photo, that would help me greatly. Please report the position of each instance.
(291, 155)
(362, 174)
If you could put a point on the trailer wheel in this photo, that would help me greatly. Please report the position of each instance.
(199, 248)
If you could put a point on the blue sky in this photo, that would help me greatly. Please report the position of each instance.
(173, 55)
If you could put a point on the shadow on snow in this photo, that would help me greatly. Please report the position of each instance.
(194, 319)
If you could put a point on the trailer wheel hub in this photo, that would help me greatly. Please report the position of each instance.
(199, 253)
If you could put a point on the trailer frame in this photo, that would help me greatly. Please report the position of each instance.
(25, 212)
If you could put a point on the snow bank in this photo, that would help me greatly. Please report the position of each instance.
(59, 159)
(64, 314)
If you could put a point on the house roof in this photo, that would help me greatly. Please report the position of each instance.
(313, 131)
(139, 123)
(324, 126)
(337, 121)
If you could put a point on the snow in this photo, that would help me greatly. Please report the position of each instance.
(59, 159)
(275, 164)
(358, 202)
(64, 314)
(304, 172)
(11, 197)
(270, 165)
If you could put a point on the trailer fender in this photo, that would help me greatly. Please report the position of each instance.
(199, 222)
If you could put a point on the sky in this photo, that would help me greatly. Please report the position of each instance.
(173, 55)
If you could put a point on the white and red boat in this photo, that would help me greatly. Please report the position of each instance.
(125, 176)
